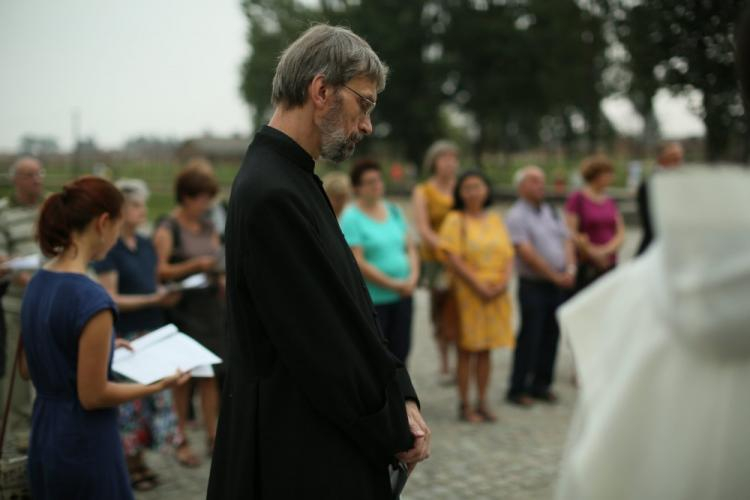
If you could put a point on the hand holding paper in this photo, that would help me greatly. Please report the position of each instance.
(159, 354)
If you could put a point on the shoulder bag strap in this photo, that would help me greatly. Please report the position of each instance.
(9, 396)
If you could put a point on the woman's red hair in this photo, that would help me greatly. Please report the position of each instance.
(72, 209)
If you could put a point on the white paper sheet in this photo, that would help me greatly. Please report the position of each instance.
(193, 282)
(205, 371)
(159, 354)
(25, 263)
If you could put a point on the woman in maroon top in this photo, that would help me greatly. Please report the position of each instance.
(594, 221)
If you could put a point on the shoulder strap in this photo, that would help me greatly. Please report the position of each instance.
(462, 240)
(174, 228)
(9, 396)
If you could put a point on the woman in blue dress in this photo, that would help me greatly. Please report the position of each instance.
(68, 340)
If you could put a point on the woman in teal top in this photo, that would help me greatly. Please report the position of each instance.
(379, 237)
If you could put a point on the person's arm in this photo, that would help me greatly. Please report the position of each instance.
(613, 245)
(531, 257)
(4, 253)
(422, 220)
(570, 257)
(21, 278)
(414, 263)
(23, 366)
(452, 244)
(460, 269)
(502, 286)
(373, 274)
(168, 271)
(132, 302)
(579, 239)
(94, 389)
(524, 249)
(332, 350)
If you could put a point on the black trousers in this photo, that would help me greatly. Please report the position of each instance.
(395, 323)
(536, 345)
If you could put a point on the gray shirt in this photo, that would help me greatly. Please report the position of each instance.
(544, 229)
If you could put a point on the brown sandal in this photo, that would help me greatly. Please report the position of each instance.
(185, 456)
(485, 414)
(141, 482)
(466, 414)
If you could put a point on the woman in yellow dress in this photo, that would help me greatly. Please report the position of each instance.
(479, 253)
(432, 200)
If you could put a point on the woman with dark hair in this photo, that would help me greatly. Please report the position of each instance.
(594, 221)
(68, 340)
(431, 202)
(186, 244)
(480, 255)
(379, 238)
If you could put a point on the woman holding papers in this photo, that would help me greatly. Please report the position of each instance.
(187, 243)
(128, 273)
(67, 324)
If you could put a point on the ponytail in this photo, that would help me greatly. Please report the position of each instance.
(71, 210)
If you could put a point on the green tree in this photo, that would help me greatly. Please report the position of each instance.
(407, 114)
(569, 43)
(686, 45)
(401, 33)
(273, 24)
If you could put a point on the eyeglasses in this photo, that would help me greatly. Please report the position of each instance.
(39, 174)
(365, 103)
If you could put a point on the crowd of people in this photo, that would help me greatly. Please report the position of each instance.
(460, 249)
(118, 280)
(467, 257)
(314, 320)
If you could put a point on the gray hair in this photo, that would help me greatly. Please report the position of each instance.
(437, 149)
(133, 189)
(522, 173)
(332, 51)
(19, 161)
(336, 183)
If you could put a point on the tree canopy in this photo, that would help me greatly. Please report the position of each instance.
(522, 73)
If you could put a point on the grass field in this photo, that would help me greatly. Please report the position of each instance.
(160, 177)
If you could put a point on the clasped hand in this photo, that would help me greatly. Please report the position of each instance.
(422, 435)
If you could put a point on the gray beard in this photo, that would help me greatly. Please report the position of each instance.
(335, 145)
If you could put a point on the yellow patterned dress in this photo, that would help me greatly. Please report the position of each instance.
(438, 206)
(484, 245)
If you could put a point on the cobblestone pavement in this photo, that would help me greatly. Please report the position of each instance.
(515, 458)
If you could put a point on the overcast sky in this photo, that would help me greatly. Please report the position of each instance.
(169, 68)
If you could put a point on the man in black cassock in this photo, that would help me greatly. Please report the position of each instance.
(314, 405)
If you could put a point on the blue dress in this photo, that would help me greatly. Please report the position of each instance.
(74, 453)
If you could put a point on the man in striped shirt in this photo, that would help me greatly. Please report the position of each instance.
(17, 222)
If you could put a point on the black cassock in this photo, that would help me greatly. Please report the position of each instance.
(313, 403)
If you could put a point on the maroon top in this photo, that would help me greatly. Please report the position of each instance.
(597, 220)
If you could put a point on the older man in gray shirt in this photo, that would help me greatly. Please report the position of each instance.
(546, 267)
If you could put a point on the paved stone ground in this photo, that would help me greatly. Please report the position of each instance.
(515, 458)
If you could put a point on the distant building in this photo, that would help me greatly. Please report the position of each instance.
(38, 145)
(150, 148)
(216, 149)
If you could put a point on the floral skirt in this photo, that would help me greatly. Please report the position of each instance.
(148, 423)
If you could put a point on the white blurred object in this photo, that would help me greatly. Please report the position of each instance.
(662, 347)
(194, 282)
(25, 263)
(160, 354)
(204, 371)
(635, 174)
